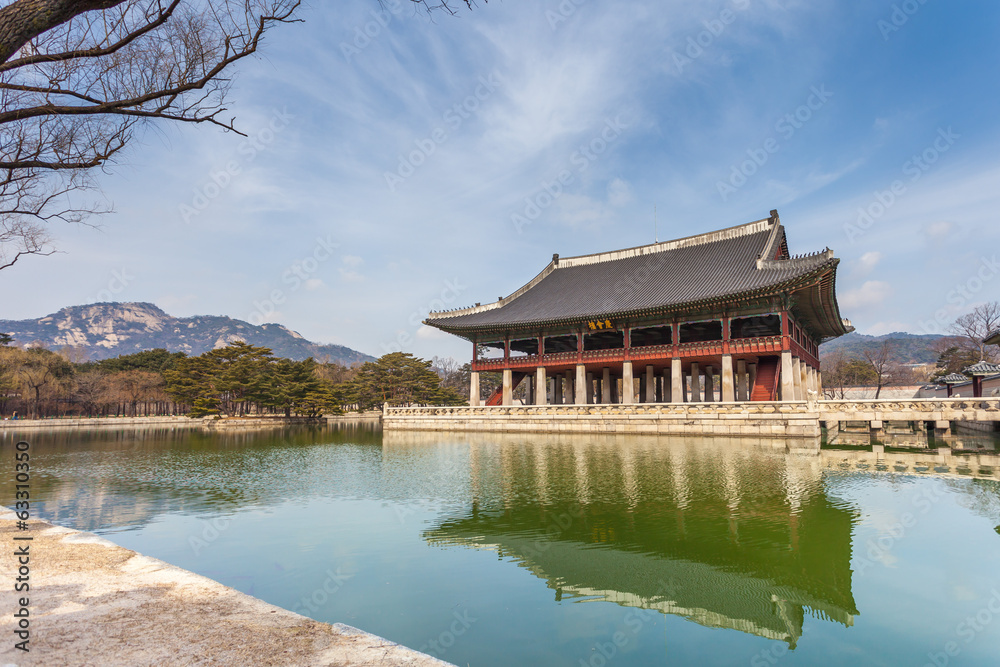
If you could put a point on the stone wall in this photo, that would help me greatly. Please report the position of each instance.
(759, 419)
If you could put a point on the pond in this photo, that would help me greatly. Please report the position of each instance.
(561, 550)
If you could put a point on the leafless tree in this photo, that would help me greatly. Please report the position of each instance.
(881, 359)
(974, 327)
(80, 78)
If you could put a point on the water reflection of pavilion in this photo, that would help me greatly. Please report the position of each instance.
(722, 535)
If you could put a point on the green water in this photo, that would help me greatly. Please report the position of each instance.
(535, 550)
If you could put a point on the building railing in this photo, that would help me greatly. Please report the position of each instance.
(762, 345)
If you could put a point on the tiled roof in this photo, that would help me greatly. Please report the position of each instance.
(738, 260)
(982, 368)
(993, 338)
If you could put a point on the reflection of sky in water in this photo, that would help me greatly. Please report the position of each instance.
(540, 549)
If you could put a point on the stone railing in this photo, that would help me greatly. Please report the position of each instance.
(797, 409)
(915, 409)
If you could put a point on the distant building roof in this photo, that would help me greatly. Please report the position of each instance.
(993, 338)
(981, 369)
(750, 260)
(954, 378)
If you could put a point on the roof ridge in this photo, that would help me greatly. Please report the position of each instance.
(737, 231)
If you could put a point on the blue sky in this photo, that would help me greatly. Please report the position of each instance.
(414, 167)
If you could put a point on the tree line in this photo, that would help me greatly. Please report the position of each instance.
(237, 380)
(880, 365)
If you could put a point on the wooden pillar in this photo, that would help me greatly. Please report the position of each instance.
(529, 394)
(668, 384)
(709, 384)
(728, 381)
(590, 389)
(606, 386)
(557, 390)
(650, 385)
(751, 378)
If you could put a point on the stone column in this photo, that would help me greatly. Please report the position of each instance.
(615, 394)
(628, 385)
(728, 381)
(606, 386)
(797, 376)
(805, 380)
(540, 386)
(580, 385)
(590, 388)
(474, 400)
(569, 391)
(709, 384)
(695, 383)
(787, 377)
(642, 390)
(508, 386)
(751, 378)
(557, 390)
(676, 381)
(668, 385)
(529, 394)
(741, 381)
(650, 385)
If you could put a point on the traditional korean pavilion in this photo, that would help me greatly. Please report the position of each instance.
(729, 315)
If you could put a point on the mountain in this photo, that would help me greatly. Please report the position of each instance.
(911, 348)
(105, 330)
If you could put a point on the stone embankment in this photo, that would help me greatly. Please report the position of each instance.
(183, 422)
(92, 602)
